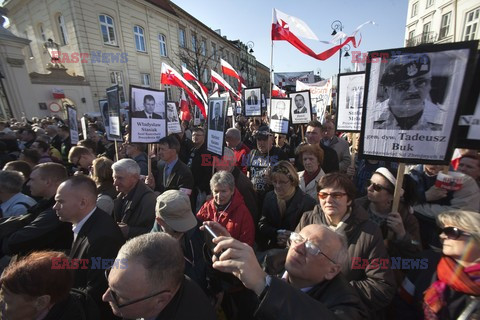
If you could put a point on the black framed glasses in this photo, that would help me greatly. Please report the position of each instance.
(115, 297)
(378, 187)
(311, 248)
(453, 233)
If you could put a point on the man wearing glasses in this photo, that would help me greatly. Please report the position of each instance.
(312, 285)
(407, 82)
(152, 285)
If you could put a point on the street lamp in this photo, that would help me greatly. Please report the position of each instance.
(338, 26)
(53, 50)
(250, 45)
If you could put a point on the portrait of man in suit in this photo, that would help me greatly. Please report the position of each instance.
(252, 99)
(216, 121)
(300, 104)
(279, 111)
(172, 115)
(148, 109)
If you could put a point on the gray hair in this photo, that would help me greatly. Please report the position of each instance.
(11, 181)
(161, 256)
(234, 133)
(224, 178)
(128, 166)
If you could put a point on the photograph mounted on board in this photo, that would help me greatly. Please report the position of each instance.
(350, 101)
(217, 109)
(72, 123)
(301, 107)
(113, 99)
(173, 123)
(253, 101)
(147, 115)
(280, 115)
(412, 101)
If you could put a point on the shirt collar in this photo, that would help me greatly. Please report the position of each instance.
(172, 163)
(13, 199)
(77, 227)
(285, 278)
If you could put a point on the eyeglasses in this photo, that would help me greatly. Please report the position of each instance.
(453, 233)
(312, 249)
(377, 187)
(115, 297)
(334, 195)
(418, 83)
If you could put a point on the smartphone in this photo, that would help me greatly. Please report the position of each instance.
(209, 236)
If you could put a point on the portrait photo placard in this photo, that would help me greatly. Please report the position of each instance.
(301, 107)
(350, 101)
(73, 124)
(253, 101)
(103, 105)
(280, 115)
(173, 122)
(217, 109)
(148, 123)
(412, 99)
(113, 100)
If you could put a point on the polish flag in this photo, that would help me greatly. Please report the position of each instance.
(172, 77)
(215, 92)
(185, 114)
(228, 69)
(218, 79)
(277, 92)
(457, 155)
(288, 28)
(191, 77)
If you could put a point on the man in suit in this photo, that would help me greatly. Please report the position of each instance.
(134, 207)
(253, 99)
(280, 112)
(97, 237)
(148, 108)
(173, 174)
(216, 122)
(300, 104)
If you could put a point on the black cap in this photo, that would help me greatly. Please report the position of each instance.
(404, 67)
(262, 132)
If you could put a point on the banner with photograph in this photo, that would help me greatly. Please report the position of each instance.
(301, 107)
(253, 102)
(412, 101)
(72, 124)
(197, 116)
(147, 115)
(350, 101)
(469, 122)
(216, 117)
(320, 95)
(113, 99)
(173, 123)
(103, 105)
(280, 115)
(290, 78)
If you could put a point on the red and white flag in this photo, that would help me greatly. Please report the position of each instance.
(218, 79)
(185, 114)
(228, 69)
(172, 77)
(58, 93)
(288, 28)
(277, 92)
(215, 92)
(191, 77)
(457, 155)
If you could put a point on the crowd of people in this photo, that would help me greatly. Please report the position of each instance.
(280, 227)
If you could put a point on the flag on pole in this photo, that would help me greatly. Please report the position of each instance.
(172, 77)
(277, 92)
(230, 71)
(220, 81)
(215, 92)
(191, 77)
(185, 114)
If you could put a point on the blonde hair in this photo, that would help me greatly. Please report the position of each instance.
(467, 221)
(286, 168)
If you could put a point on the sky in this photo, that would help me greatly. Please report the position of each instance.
(251, 20)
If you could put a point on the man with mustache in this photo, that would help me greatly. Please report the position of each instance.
(407, 83)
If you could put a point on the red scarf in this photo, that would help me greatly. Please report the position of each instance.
(309, 177)
(455, 276)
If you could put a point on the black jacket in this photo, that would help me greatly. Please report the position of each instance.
(245, 187)
(330, 299)
(180, 177)
(200, 163)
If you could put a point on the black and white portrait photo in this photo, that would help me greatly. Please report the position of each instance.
(350, 101)
(216, 116)
(253, 102)
(114, 122)
(412, 100)
(172, 118)
(147, 117)
(301, 107)
(73, 124)
(280, 113)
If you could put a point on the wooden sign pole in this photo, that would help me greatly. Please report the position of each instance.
(116, 150)
(398, 187)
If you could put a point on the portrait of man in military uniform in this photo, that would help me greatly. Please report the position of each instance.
(407, 82)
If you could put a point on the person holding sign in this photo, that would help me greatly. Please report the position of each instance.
(148, 108)
(407, 82)
(300, 104)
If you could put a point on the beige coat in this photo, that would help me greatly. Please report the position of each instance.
(311, 187)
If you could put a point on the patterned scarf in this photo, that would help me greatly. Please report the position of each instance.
(282, 202)
(455, 276)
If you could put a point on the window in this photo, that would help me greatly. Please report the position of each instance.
(445, 25)
(203, 47)
(145, 77)
(116, 78)
(139, 38)
(108, 29)
(63, 30)
(214, 51)
(411, 34)
(414, 9)
(426, 32)
(181, 37)
(42, 32)
(471, 25)
(163, 44)
(430, 3)
(168, 90)
(194, 41)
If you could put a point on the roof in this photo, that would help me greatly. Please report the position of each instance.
(163, 4)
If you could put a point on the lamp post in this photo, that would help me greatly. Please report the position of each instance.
(249, 49)
(53, 50)
(338, 26)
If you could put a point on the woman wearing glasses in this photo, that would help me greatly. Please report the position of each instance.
(451, 288)
(375, 285)
(399, 229)
(282, 207)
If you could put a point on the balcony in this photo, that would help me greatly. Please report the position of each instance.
(426, 37)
